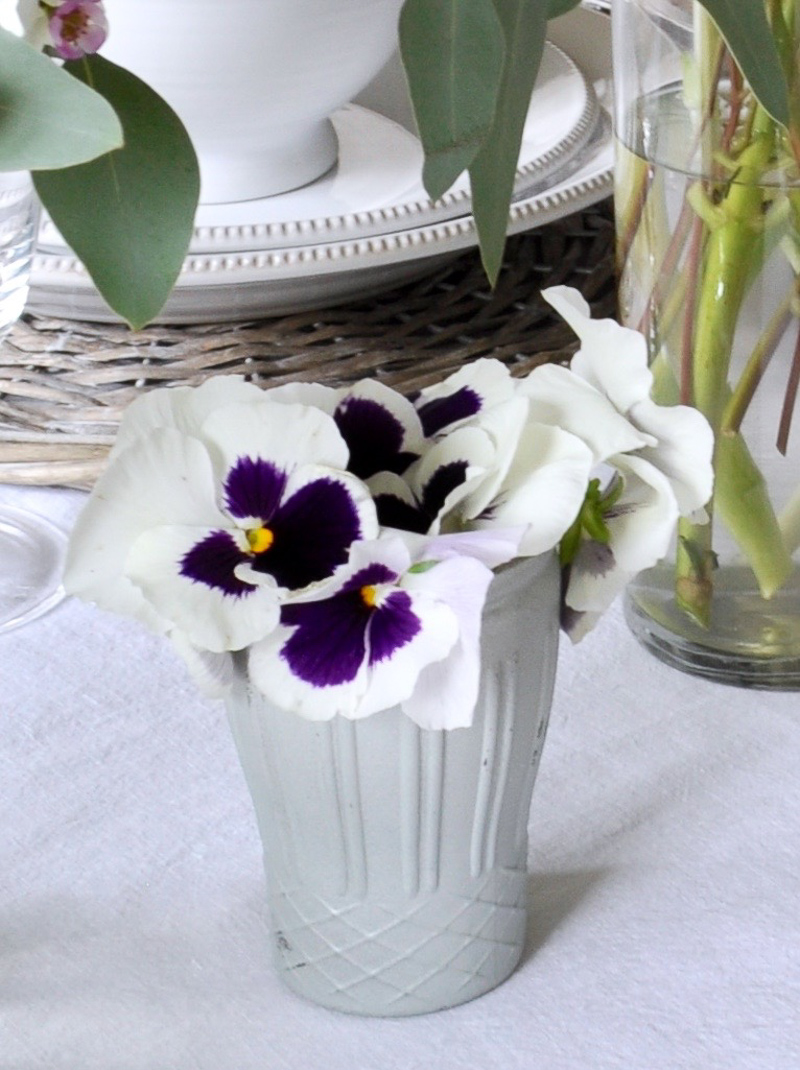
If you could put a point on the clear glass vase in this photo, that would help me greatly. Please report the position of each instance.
(707, 201)
(31, 548)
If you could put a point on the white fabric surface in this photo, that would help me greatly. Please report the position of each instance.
(665, 895)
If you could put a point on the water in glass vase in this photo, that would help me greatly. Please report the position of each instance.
(708, 222)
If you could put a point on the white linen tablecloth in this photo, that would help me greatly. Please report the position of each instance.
(664, 888)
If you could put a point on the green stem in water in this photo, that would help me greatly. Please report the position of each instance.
(742, 501)
(789, 523)
(732, 246)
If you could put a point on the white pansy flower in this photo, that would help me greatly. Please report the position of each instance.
(206, 532)
(612, 359)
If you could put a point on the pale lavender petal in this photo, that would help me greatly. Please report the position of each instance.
(491, 546)
(447, 689)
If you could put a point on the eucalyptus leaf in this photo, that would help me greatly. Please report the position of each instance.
(48, 119)
(452, 52)
(744, 25)
(492, 172)
(129, 215)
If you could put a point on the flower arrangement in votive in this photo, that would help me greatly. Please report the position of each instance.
(345, 539)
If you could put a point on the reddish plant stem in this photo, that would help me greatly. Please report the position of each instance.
(625, 241)
(682, 227)
(759, 361)
(667, 269)
(789, 399)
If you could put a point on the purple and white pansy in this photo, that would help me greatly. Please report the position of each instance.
(359, 644)
(345, 538)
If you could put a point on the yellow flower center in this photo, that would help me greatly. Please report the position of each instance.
(369, 594)
(260, 539)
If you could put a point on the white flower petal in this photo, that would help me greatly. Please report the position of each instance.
(285, 435)
(570, 304)
(577, 625)
(271, 674)
(612, 358)
(324, 398)
(164, 478)
(184, 408)
(357, 491)
(562, 399)
(544, 489)
(505, 425)
(375, 686)
(395, 404)
(684, 452)
(388, 483)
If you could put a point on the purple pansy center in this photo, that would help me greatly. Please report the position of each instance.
(298, 540)
(393, 512)
(439, 413)
(212, 561)
(333, 638)
(254, 487)
(374, 437)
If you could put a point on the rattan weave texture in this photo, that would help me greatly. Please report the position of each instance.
(64, 384)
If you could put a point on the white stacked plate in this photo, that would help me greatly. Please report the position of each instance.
(368, 224)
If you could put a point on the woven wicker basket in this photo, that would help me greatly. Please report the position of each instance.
(63, 385)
